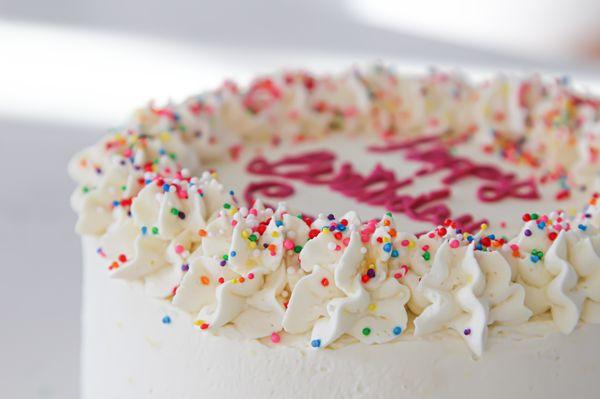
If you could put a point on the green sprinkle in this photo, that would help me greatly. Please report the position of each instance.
(155, 230)
(426, 255)
(85, 189)
(173, 156)
(253, 237)
(225, 257)
(297, 249)
(226, 205)
(123, 188)
(174, 211)
(366, 331)
(534, 216)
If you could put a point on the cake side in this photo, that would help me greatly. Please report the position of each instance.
(138, 347)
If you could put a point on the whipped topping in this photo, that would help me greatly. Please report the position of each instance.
(264, 271)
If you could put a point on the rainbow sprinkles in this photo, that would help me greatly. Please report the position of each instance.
(268, 272)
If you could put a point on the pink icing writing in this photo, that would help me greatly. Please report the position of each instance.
(381, 186)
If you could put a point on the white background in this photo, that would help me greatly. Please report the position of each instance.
(69, 69)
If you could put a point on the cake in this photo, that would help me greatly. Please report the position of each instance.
(366, 234)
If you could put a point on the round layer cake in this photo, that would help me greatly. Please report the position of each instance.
(366, 234)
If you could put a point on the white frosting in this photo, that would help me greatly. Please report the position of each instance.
(129, 352)
(468, 292)
(262, 272)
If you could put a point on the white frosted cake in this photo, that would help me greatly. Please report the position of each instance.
(360, 235)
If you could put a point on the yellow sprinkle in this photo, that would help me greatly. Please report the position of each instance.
(252, 245)
(165, 136)
(198, 323)
(411, 244)
(325, 230)
(386, 239)
(372, 307)
(484, 226)
(233, 281)
(275, 234)
(245, 234)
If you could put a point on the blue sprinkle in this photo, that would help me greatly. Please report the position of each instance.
(387, 247)
(541, 225)
(394, 253)
(233, 253)
(470, 238)
(162, 151)
(279, 223)
(165, 187)
(492, 236)
(315, 343)
(534, 258)
(479, 247)
(231, 192)
(144, 230)
(341, 227)
(397, 330)
(582, 227)
(166, 320)
(115, 203)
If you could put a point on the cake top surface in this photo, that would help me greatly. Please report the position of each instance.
(432, 164)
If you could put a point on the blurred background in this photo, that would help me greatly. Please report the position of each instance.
(70, 69)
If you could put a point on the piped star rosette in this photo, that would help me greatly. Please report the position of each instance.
(468, 290)
(167, 224)
(558, 264)
(112, 172)
(348, 288)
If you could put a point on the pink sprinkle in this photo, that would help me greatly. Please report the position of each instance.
(288, 244)
(454, 244)
(253, 212)
(250, 276)
(179, 248)
(346, 241)
(275, 338)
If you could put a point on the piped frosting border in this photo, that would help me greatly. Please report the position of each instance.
(267, 272)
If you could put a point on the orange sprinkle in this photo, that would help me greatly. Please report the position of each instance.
(204, 280)
(202, 233)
